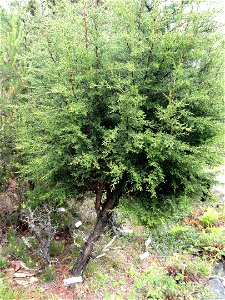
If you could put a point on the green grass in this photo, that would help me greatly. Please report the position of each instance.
(17, 249)
(8, 293)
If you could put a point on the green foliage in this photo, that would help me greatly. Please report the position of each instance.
(178, 230)
(151, 213)
(169, 238)
(156, 284)
(199, 266)
(56, 247)
(8, 293)
(120, 95)
(211, 243)
(17, 248)
(133, 102)
(49, 274)
(3, 261)
(180, 278)
(210, 217)
(11, 37)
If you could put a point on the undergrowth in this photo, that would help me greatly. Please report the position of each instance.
(182, 250)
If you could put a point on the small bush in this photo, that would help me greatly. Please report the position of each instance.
(157, 284)
(212, 236)
(209, 218)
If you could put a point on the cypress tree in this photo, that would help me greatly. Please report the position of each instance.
(122, 97)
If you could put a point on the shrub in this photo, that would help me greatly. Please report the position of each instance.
(209, 218)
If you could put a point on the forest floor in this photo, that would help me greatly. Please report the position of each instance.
(172, 260)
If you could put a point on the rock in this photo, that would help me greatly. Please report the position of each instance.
(72, 280)
(219, 270)
(144, 255)
(78, 224)
(148, 242)
(61, 209)
(216, 287)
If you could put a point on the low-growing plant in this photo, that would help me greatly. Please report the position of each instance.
(8, 293)
(49, 274)
(211, 242)
(198, 266)
(169, 238)
(210, 217)
(56, 247)
(3, 261)
(157, 284)
(212, 236)
(190, 266)
(178, 230)
(92, 271)
(16, 248)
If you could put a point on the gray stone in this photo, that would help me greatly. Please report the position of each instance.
(219, 270)
(216, 287)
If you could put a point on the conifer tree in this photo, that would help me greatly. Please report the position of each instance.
(123, 97)
(11, 38)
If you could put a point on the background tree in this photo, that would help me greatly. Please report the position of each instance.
(11, 37)
(123, 98)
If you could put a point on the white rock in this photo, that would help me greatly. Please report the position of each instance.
(148, 242)
(72, 280)
(61, 209)
(144, 255)
(78, 224)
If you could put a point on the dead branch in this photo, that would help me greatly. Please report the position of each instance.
(40, 224)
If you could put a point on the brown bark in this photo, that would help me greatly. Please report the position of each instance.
(96, 3)
(72, 84)
(101, 223)
(98, 199)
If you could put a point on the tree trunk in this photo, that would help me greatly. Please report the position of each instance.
(101, 223)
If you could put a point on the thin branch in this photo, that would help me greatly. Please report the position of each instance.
(72, 84)
(148, 61)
